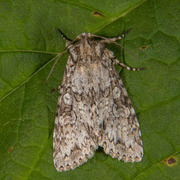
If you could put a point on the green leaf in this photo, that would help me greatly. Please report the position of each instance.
(29, 44)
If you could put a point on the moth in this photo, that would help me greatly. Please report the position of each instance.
(93, 106)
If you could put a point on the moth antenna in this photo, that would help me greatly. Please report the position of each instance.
(112, 40)
(55, 63)
(119, 37)
(59, 57)
(64, 36)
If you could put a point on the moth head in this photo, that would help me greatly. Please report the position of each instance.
(84, 35)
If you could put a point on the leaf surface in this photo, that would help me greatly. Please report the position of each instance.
(29, 45)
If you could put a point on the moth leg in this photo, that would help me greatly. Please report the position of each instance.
(55, 89)
(116, 61)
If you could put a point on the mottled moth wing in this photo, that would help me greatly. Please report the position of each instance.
(121, 136)
(93, 109)
(73, 142)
